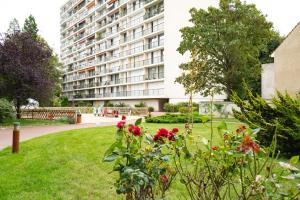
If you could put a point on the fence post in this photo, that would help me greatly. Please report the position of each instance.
(16, 138)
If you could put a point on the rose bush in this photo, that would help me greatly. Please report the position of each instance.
(236, 168)
(143, 162)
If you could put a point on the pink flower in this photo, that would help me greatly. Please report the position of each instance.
(121, 124)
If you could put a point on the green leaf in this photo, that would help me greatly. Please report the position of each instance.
(222, 126)
(138, 122)
(294, 160)
(110, 158)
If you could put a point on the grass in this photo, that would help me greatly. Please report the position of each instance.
(32, 122)
(68, 165)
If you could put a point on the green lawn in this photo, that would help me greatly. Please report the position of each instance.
(67, 165)
(32, 122)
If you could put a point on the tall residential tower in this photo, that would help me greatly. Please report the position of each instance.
(124, 50)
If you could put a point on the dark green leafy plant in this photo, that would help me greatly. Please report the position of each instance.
(6, 110)
(177, 118)
(283, 110)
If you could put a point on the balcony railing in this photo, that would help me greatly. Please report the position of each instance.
(134, 93)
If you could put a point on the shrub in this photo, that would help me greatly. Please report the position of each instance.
(283, 115)
(140, 105)
(108, 104)
(69, 120)
(168, 107)
(150, 109)
(121, 104)
(187, 109)
(177, 118)
(144, 170)
(6, 110)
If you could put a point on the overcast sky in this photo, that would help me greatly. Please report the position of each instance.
(283, 13)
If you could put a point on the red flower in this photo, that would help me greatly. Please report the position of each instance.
(130, 128)
(136, 131)
(163, 132)
(175, 130)
(241, 129)
(247, 145)
(163, 178)
(214, 148)
(123, 117)
(171, 136)
(121, 124)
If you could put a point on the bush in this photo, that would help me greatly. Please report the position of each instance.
(6, 110)
(169, 107)
(121, 105)
(176, 118)
(150, 109)
(283, 116)
(108, 104)
(187, 110)
(69, 120)
(140, 105)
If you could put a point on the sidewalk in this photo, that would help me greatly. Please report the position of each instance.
(29, 132)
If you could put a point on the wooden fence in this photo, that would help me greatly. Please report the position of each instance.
(47, 114)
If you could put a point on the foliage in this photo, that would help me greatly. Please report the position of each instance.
(239, 168)
(176, 118)
(169, 107)
(6, 110)
(150, 109)
(284, 111)
(120, 104)
(143, 164)
(108, 104)
(225, 45)
(26, 70)
(68, 120)
(265, 54)
(140, 105)
(64, 101)
(14, 26)
(30, 27)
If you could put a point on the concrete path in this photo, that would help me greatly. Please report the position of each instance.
(29, 132)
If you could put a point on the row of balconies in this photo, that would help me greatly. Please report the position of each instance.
(119, 81)
(137, 64)
(129, 38)
(106, 34)
(116, 56)
(133, 93)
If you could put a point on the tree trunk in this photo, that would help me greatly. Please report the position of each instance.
(18, 109)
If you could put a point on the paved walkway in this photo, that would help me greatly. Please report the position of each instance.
(29, 132)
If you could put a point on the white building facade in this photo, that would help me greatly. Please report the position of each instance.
(124, 50)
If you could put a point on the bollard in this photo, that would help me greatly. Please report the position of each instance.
(78, 118)
(16, 138)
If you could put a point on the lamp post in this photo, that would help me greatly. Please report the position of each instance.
(16, 138)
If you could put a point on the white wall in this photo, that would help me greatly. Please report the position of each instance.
(268, 81)
(176, 17)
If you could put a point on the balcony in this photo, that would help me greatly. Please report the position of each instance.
(133, 93)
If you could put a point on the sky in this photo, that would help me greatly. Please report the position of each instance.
(283, 13)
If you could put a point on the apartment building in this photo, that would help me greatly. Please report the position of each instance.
(124, 50)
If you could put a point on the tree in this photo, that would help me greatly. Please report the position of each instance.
(281, 117)
(13, 26)
(30, 26)
(274, 42)
(225, 44)
(25, 69)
